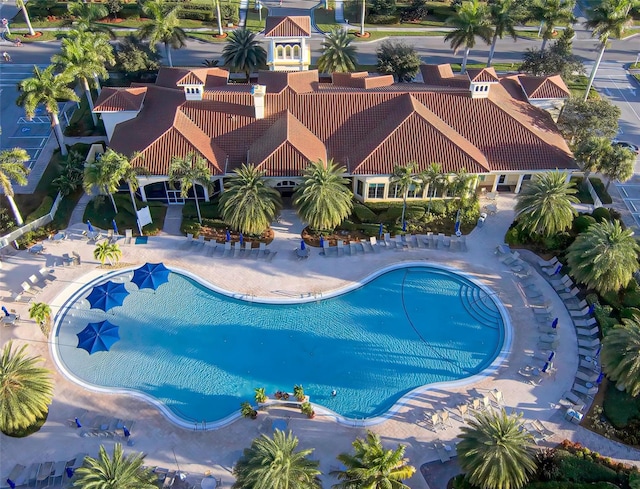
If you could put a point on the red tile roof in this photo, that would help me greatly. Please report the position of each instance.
(361, 80)
(209, 77)
(291, 26)
(544, 86)
(120, 99)
(367, 130)
(442, 75)
(483, 75)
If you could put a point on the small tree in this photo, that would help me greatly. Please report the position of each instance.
(107, 251)
(12, 168)
(41, 314)
(398, 59)
(621, 356)
(114, 7)
(619, 164)
(338, 55)
(581, 119)
(557, 60)
(261, 395)
(591, 154)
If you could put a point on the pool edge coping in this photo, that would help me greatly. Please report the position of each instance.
(502, 355)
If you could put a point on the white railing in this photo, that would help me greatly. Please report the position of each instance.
(7, 239)
(596, 200)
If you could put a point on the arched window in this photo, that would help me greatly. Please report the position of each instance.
(287, 52)
(296, 52)
(279, 52)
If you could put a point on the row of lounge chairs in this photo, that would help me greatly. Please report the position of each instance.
(440, 419)
(33, 285)
(42, 474)
(228, 249)
(399, 242)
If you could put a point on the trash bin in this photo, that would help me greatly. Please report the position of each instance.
(481, 221)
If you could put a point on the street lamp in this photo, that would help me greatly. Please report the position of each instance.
(259, 7)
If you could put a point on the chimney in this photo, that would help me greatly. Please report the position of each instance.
(258, 92)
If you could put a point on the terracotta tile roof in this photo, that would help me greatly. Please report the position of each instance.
(169, 77)
(483, 75)
(442, 75)
(367, 130)
(209, 77)
(120, 99)
(544, 86)
(298, 81)
(292, 26)
(286, 147)
(361, 80)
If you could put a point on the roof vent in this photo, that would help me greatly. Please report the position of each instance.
(258, 93)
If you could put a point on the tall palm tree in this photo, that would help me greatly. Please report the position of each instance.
(47, 87)
(84, 57)
(433, 178)
(86, 16)
(243, 52)
(544, 204)
(273, 463)
(496, 452)
(607, 19)
(12, 168)
(405, 178)
(363, 12)
(189, 171)
(26, 390)
(98, 44)
(23, 6)
(621, 356)
(458, 186)
(248, 204)
(504, 17)
(470, 21)
(323, 198)
(163, 27)
(40, 312)
(619, 165)
(107, 251)
(372, 466)
(591, 154)
(604, 257)
(105, 174)
(338, 55)
(108, 472)
(550, 13)
(130, 175)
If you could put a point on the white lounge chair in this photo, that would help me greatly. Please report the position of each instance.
(548, 263)
(532, 292)
(128, 235)
(388, 242)
(589, 342)
(587, 376)
(575, 305)
(373, 241)
(340, 247)
(583, 389)
(542, 428)
(591, 333)
(326, 248)
(26, 287)
(583, 323)
(366, 246)
(569, 295)
(579, 313)
(227, 249)
(588, 352)
(247, 249)
(575, 402)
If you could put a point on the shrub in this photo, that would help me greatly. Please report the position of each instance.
(391, 215)
(414, 213)
(348, 225)
(382, 19)
(619, 407)
(43, 209)
(601, 214)
(582, 223)
(189, 226)
(558, 241)
(214, 223)
(364, 213)
(612, 299)
(370, 229)
(631, 296)
(599, 187)
(547, 464)
(6, 220)
(438, 207)
(580, 467)
(630, 313)
(208, 210)
(604, 319)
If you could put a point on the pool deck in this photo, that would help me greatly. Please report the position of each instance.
(285, 276)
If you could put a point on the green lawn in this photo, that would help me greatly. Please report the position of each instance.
(102, 214)
(253, 22)
(375, 35)
(500, 67)
(324, 19)
(579, 85)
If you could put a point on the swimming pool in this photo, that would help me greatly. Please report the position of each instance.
(199, 353)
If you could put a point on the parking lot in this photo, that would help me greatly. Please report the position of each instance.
(630, 193)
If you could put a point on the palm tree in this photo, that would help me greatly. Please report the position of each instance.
(591, 154)
(458, 186)
(12, 168)
(338, 55)
(40, 312)
(274, 464)
(405, 178)
(619, 165)
(503, 16)
(47, 87)
(26, 390)
(433, 178)
(248, 204)
(243, 52)
(323, 198)
(621, 356)
(544, 204)
(87, 16)
(164, 27)
(107, 251)
(219, 19)
(607, 19)
(362, 16)
(83, 57)
(130, 175)
(496, 452)
(105, 472)
(470, 21)
(23, 6)
(189, 171)
(551, 13)
(105, 174)
(372, 466)
(604, 257)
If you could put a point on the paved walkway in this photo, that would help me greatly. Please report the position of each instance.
(198, 451)
(173, 220)
(78, 211)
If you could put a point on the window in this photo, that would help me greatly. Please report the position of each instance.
(413, 192)
(481, 178)
(376, 191)
(287, 52)
(501, 179)
(279, 52)
(359, 187)
(394, 192)
(296, 52)
(526, 177)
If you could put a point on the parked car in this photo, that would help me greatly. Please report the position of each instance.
(625, 144)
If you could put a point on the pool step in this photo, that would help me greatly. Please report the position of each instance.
(480, 306)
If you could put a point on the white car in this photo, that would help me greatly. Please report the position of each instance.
(625, 144)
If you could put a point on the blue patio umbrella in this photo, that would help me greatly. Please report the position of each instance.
(456, 228)
(78, 425)
(241, 239)
(600, 378)
(98, 337)
(150, 276)
(69, 471)
(321, 241)
(558, 268)
(228, 237)
(11, 484)
(404, 225)
(554, 324)
(381, 230)
(107, 295)
(4, 309)
(126, 432)
(302, 245)
(115, 226)
(592, 308)
(598, 352)
(546, 367)
(90, 227)
(551, 355)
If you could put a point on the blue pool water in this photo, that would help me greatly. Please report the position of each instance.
(201, 353)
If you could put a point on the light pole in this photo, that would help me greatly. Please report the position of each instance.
(259, 7)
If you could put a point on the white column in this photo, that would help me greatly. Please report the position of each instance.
(303, 51)
(519, 184)
(495, 183)
(272, 47)
(143, 195)
(206, 193)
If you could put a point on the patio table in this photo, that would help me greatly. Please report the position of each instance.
(208, 483)
(37, 248)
